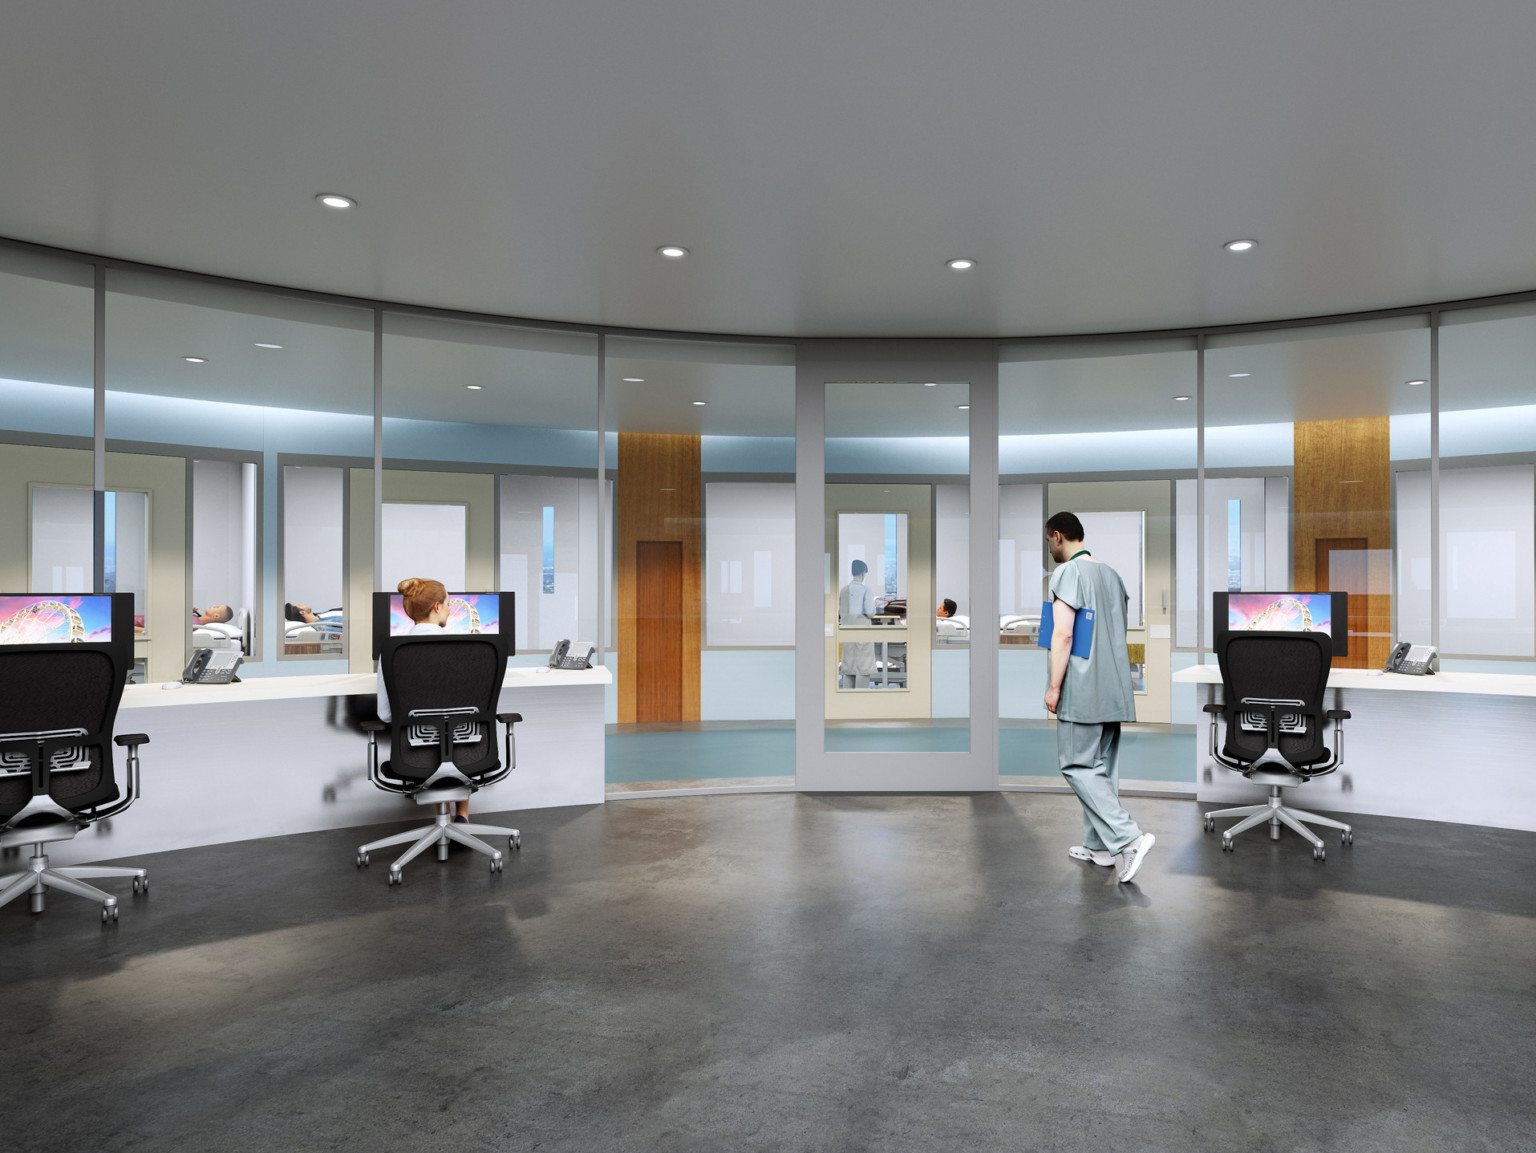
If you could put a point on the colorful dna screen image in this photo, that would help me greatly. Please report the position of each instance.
(1280, 612)
(55, 620)
(467, 613)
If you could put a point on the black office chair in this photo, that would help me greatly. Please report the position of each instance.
(58, 703)
(442, 694)
(1273, 687)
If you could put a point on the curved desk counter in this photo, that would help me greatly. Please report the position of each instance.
(276, 755)
(1449, 747)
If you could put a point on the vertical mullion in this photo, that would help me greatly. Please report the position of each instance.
(1199, 501)
(604, 533)
(378, 448)
(99, 431)
(1434, 479)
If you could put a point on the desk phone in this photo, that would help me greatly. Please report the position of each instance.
(1415, 660)
(572, 655)
(212, 666)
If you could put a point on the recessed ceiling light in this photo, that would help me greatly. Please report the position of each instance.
(673, 251)
(960, 263)
(1418, 382)
(962, 406)
(336, 200)
(700, 403)
(474, 387)
(634, 380)
(1181, 398)
(195, 359)
(931, 384)
(1240, 245)
(1237, 375)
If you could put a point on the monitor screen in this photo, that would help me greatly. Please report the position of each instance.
(1326, 612)
(54, 618)
(467, 613)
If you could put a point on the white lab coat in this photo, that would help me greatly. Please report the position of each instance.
(855, 606)
(420, 628)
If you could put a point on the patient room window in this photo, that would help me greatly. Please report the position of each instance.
(63, 551)
(314, 558)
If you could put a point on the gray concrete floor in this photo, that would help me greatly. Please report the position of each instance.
(790, 972)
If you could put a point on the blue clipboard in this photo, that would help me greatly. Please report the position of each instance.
(1082, 630)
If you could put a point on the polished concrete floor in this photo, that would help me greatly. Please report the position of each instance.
(791, 972)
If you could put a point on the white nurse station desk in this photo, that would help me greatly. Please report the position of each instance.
(274, 755)
(1449, 747)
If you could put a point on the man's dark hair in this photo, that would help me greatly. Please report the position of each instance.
(860, 568)
(950, 607)
(1066, 524)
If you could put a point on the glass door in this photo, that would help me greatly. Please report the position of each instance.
(888, 701)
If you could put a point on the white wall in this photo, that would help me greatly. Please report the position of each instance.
(312, 536)
(415, 531)
(951, 549)
(220, 550)
(749, 563)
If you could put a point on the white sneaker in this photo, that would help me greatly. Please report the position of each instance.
(1097, 856)
(1133, 855)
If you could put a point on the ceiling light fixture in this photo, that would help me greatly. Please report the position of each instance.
(634, 380)
(963, 407)
(960, 263)
(1181, 398)
(1240, 245)
(264, 344)
(335, 200)
(195, 359)
(1418, 382)
(673, 251)
(1238, 375)
(931, 384)
(700, 403)
(474, 387)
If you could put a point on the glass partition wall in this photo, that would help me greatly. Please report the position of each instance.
(240, 427)
(210, 447)
(702, 444)
(1106, 430)
(490, 473)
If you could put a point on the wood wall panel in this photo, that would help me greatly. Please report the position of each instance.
(1344, 492)
(658, 497)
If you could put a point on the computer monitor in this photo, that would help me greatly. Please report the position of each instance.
(1284, 612)
(468, 613)
(56, 618)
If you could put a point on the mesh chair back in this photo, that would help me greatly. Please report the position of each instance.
(1276, 666)
(68, 690)
(459, 672)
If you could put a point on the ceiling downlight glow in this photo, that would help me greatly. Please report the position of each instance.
(700, 403)
(960, 264)
(195, 359)
(1181, 398)
(1416, 382)
(474, 387)
(336, 200)
(1240, 245)
(633, 379)
(264, 344)
(1238, 375)
(673, 251)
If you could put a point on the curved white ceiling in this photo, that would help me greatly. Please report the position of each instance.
(821, 158)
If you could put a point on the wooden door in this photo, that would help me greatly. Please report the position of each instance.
(659, 630)
(1341, 568)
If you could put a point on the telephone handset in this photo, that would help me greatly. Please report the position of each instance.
(572, 655)
(1414, 660)
(212, 666)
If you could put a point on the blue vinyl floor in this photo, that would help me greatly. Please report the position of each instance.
(770, 752)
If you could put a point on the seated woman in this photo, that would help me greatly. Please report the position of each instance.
(426, 603)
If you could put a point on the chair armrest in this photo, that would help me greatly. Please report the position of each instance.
(1338, 714)
(131, 740)
(509, 718)
(373, 726)
(1215, 708)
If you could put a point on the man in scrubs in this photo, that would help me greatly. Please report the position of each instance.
(855, 605)
(1091, 696)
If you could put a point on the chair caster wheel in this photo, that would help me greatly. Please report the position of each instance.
(1210, 824)
(395, 877)
(141, 884)
(515, 844)
(1349, 837)
(1318, 853)
(496, 864)
(1226, 844)
(362, 860)
(108, 914)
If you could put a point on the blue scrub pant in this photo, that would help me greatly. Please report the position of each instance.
(1090, 760)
